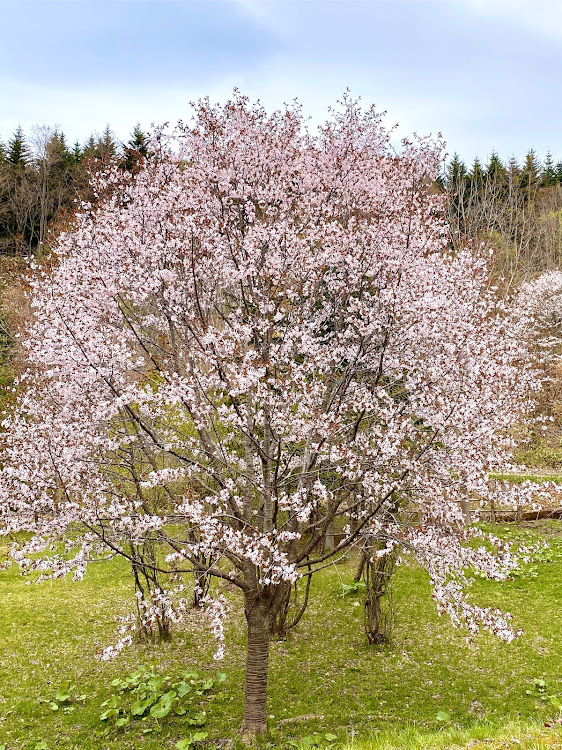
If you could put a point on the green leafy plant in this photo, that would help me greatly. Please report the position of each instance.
(540, 691)
(189, 741)
(63, 698)
(355, 587)
(145, 695)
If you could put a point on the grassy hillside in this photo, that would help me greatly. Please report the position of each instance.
(327, 686)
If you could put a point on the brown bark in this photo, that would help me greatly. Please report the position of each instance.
(286, 600)
(257, 659)
(360, 567)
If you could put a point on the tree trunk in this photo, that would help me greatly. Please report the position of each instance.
(255, 698)
(278, 622)
(360, 566)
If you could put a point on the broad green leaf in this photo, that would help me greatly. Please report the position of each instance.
(155, 683)
(63, 693)
(139, 707)
(443, 716)
(159, 710)
(109, 713)
(308, 741)
(183, 744)
(330, 737)
(199, 736)
(183, 688)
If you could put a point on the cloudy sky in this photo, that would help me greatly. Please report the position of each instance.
(486, 73)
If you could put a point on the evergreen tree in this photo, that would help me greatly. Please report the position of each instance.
(77, 153)
(18, 151)
(90, 150)
(135, 150)
(496, 170)
(107, 145)
(558, 172)
(548, 173)
(60, 152)
(456, 171)
(513, 174)
(476, 175)
(530, 174)
(513, 168)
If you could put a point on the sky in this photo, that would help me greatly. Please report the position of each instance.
(484, 73)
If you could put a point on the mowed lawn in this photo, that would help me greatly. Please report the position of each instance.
(327, 686)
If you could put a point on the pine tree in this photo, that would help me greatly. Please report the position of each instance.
(18, 151)
(107, 145)
(90, 148)
(513, 175)
(135, 150)
(476, 175)
(60, 150)
(513, 167)
(530, 174)
(102, 147)
(558, 172)
(548, 173)
(456, 171)
(77, 153)
(496, 170)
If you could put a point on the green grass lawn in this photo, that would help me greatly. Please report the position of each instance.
(429, 688)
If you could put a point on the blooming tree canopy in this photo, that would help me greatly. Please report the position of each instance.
(541, 301)
(260, 336)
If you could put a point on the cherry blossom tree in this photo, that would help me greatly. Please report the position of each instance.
(261, 336)
(541, 301)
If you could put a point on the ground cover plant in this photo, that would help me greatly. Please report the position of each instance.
(428, 688)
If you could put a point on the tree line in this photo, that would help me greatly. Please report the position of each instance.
(516, 208)
(41, 177)
(513, 205)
